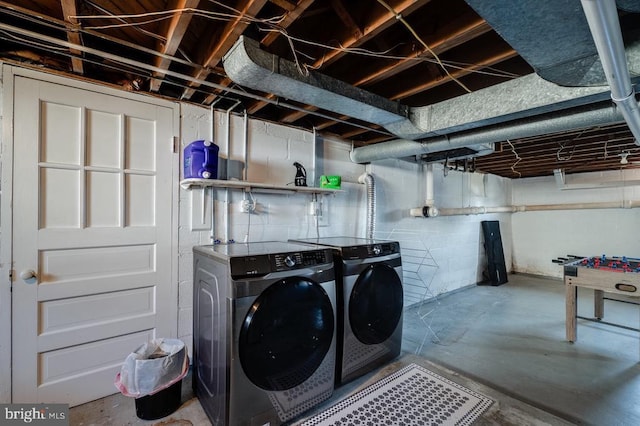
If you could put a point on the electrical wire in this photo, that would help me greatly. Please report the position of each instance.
(225, 89)
(425, 45)
(249, 212)
(364, 52)
(32, 42)
(518, 159)
(81, 30)
(275, 19)
(141, 30)
(302, 68)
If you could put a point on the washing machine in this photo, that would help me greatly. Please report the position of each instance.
(264, 345)
(370, 300)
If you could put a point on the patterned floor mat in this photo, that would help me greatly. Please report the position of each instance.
(410, 396)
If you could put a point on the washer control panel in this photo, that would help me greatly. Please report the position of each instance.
(297, 260)
(371, 250)
(260, 265)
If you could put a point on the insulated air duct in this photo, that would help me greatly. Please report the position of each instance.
(465, 126)
(574, 45)
(249, 66)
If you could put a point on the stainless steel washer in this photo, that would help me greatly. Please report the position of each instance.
(370, 301)
(264, 331)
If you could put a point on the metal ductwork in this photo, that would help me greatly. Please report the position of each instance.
(586, 116)
(629, 5)
(554, 37)
(249, 66)
(468, 125)
(574, 44)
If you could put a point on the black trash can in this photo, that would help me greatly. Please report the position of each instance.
(153, 374)
(160, 404)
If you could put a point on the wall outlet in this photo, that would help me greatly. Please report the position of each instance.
(315, 208)
(247, 206)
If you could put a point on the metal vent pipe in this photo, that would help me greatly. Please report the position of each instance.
(534, 126)
(602, 17)
(368, 180)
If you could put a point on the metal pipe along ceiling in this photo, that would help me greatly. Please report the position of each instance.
(556, 122)
(602, 17)
(465, 211)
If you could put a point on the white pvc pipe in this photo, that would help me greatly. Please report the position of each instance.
(429, 201)
(226, 192)
(245, 144)
(418, 212)
(602, 17)
(212, 190)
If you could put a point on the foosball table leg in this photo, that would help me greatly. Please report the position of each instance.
(571, 297)
(598, 304)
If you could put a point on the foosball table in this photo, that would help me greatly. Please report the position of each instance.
(618, 275)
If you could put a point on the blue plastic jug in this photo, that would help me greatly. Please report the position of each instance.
(201, 160)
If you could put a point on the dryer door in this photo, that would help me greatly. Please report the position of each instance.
(286, 334)
(375, 304)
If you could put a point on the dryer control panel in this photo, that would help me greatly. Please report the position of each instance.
(370, 250)
(287, 261)
(260, 265)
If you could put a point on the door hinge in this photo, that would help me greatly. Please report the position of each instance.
(175, 144)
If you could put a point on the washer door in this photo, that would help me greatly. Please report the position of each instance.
(375, 304)
(286, 334)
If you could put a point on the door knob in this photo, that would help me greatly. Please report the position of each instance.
(28, 274)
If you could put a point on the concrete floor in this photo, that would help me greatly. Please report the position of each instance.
(512, 338)
(506, 342)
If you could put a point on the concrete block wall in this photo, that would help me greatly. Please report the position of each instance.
(271, 151)
(440, 254)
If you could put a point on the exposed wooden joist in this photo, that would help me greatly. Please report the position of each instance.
(69, 9)
(379, 23)
(346, 19)
(173, 31)
(289, 19)
(229, 34)
(453, 36)
(488, 62)
(284, 4)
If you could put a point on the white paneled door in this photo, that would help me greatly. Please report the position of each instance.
(92, 242)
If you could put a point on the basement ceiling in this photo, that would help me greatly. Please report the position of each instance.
(411, 52)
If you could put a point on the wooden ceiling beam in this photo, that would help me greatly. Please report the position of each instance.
(347, 19)
(284, 4)
(289, 19)
(488, 62)
(459, 34)
(379, 23)
(173, 31)
(228, 36)
(69, 9)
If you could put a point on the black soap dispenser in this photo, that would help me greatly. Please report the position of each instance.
(301, 175)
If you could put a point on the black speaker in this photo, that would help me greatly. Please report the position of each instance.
(496, 273)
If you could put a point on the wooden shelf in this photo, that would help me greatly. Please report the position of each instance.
(252, 186)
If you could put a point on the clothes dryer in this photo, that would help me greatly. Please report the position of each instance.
(264, 331)
(370, 301)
